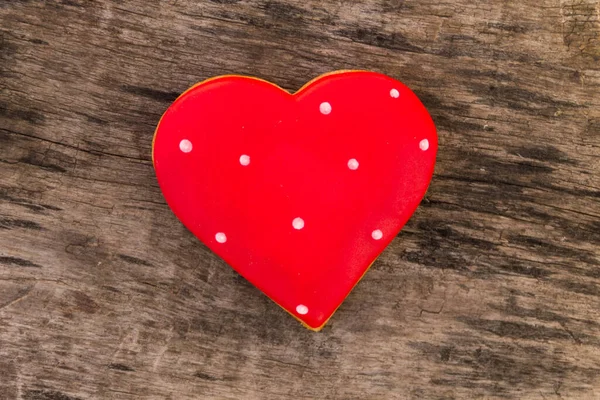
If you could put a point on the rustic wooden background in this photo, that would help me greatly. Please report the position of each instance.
(491, 291)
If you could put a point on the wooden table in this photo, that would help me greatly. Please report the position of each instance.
(492, 290)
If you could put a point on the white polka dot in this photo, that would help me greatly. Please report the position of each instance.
(377, 234)
(298, 223)
(424, 144)
(325, 108)
(185, 146)
(352, 164)
(220, 237)
(301, 309)
(394, 93)
(244, 160)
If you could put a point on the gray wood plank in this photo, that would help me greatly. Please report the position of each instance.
(491, 291)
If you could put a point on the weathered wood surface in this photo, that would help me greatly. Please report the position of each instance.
(491, 291)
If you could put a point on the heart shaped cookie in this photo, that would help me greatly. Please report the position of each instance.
(299, 192)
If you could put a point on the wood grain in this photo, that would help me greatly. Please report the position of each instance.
(492, 291)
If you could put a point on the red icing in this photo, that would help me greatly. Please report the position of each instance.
(299, 167)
